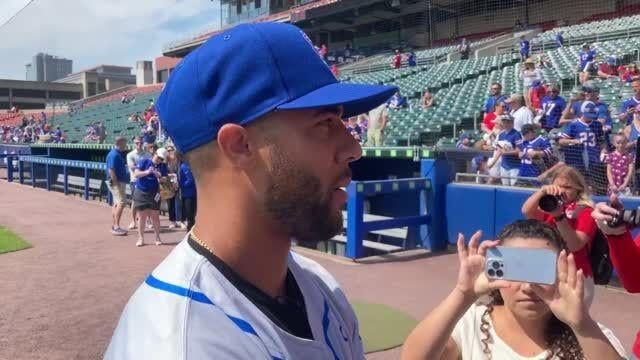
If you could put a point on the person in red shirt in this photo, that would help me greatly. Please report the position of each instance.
(491, 119)
(608, 69)
(397, 60)
(572, 218)
(536, 93)
(335, 71)
(624, 250)
(629, 73)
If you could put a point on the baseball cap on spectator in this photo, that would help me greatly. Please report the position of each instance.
(589, 110)
(612, 60)
(162, 153)
(515, 97)
(505, 117)
(247, 72)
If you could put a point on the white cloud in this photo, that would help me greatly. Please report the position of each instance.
(93, 32)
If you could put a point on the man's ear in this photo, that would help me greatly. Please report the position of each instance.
(234, 145)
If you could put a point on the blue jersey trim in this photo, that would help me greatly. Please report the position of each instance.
(202, 298)
(325, 329)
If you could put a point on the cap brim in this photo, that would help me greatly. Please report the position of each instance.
(356, 99)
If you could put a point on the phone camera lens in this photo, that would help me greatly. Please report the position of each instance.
(491, 272)
(495, 265)
(500, 273)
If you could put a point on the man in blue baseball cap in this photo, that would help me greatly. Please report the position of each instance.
(258, 116)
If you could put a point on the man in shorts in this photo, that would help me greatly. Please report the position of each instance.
(133, 157)
(117, 179)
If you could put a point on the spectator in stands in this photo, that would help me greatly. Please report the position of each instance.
(586, 65)
(629, 73)
(57, 135)
(495, 97)
(133, 158)
(572, 219)
(335, 71)
(464, 49)
(378, 121)
(483, 319)
(411, 58)
(148, 135)
(537, 92)
(620, 167)
(151, 107)
(397, 101)
(524, 48)
(559, 39)
(632, 131)
(529, 74)
(623, 249)
(628, 106)
(363, 122)
(188, 194)
(323, 51)
(117, 179)
(583, 142)
(609, 69)
(520, 113)
(464, 141)
(427, 100)
(101, 132)
(146, 196)
(397, 60)
(508, 139)
(354, 129)
(173, 167)
(490, 119)
(532, 148)
(588, 92)
(552, 108)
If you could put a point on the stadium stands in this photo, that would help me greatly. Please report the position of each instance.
(618, 27)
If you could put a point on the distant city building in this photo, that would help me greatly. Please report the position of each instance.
(100, 79)
(45, 67)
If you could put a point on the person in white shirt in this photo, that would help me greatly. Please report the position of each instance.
(519, 321)
(269, 168)
(521, 114)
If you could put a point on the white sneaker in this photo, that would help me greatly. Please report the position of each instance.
(118, 232)
(183, 226)
(140, 243)
(172, 226)
(158, 242)
(132, 225)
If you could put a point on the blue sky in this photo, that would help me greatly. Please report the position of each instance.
(94, 32)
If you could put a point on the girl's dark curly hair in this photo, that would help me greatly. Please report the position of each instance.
(560, 339)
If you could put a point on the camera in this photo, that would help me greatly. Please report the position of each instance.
(549, 203)
(625, 216)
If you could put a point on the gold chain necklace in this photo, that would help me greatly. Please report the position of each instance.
(200, 242)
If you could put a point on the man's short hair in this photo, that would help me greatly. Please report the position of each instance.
(527, 128)
(120, 139)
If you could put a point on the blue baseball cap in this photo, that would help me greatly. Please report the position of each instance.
(248, 71)
(589, 110)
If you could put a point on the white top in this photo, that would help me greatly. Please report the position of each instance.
(468, 337)
(132, 160)
(186, 309)
(528, 76)
(376, 115)
(522, 116)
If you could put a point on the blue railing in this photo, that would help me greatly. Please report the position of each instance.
(358, 191)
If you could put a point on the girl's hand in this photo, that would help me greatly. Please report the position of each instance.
(472, 281)
(566, 301)
(551, 190)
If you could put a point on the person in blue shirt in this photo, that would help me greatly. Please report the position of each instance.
(149, 173)
(496, 97)
(559, 39)
(188, 193)
(117, 179)
(411, 59)
(628, 106)
(552, 107)
(510, 164)
(586, 65)
(583, 143)
(532, 148)
(524, 48)
(588, 92)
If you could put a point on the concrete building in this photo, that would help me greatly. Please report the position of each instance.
(45, 67)
(164, 67)
(35, 95)
(144, 73)
(101, 79)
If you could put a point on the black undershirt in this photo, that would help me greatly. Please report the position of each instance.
(288, 312)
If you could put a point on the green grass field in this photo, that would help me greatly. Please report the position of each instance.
(11, 242)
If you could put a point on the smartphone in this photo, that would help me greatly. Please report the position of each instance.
(521, 264)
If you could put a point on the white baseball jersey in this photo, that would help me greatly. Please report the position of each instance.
(186, 309)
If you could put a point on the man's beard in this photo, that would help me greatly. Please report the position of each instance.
(298, 204)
